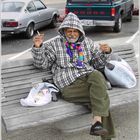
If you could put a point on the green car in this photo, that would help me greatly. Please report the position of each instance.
(102, 12)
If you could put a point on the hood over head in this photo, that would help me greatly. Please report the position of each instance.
(72, 21)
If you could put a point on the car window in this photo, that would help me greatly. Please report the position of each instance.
(12, 6)
(39, 5)
(31, 7)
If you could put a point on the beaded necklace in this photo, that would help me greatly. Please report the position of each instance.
(73, 46)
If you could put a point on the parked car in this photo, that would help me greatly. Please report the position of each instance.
(102, 12)
(26, 16)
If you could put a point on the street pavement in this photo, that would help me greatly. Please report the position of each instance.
(134, 39)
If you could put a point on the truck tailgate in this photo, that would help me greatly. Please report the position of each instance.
(94, 12)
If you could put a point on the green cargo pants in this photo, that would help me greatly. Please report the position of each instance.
(91, 89)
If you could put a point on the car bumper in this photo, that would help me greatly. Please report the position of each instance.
(12, 31)
(97, 23)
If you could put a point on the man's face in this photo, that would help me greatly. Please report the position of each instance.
(72, 35)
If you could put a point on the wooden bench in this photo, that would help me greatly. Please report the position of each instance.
(17, 77)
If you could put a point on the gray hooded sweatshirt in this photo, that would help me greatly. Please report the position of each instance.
(53, 54)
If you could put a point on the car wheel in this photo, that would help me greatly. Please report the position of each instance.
(54, 21)
(130, 15)
(29, 31)
(118, 25)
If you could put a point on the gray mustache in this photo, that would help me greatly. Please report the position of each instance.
(72, 37)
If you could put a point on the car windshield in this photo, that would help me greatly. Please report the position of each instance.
(12, 6)
(87, 1)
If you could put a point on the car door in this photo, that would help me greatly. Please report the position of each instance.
(44, 16)
(32, 15)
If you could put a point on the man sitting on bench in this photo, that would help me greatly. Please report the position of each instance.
(68, 57)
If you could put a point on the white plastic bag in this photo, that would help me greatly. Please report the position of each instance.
(120, 74)
(39, 95)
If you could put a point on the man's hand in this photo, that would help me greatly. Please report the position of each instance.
(38, 40)
(105, 48)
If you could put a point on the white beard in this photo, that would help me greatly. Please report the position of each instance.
(72, 40)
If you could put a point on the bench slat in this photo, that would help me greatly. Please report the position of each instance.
(122, 91)
(127, 52)
(18, 87)
(12, 98)
(19, 73)
(127, 56)
(15, 69)
(124, 99)
(131, 60)
(122, 47)
(24, 77)
(19, 91)
(9, 103)
(28, 80)
(17, 83)
(123, 50)
(17, 63)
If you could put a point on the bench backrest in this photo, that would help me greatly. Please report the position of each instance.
(18, 76)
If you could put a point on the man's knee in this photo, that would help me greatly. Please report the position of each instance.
(97, 74)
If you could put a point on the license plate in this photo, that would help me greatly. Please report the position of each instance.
(87, 22)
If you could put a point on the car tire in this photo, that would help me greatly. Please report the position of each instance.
(54, 21)
(29, 31)
(118, 25)
(130, 15)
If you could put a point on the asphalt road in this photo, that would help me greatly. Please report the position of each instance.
(16, 43)
(13, 45)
